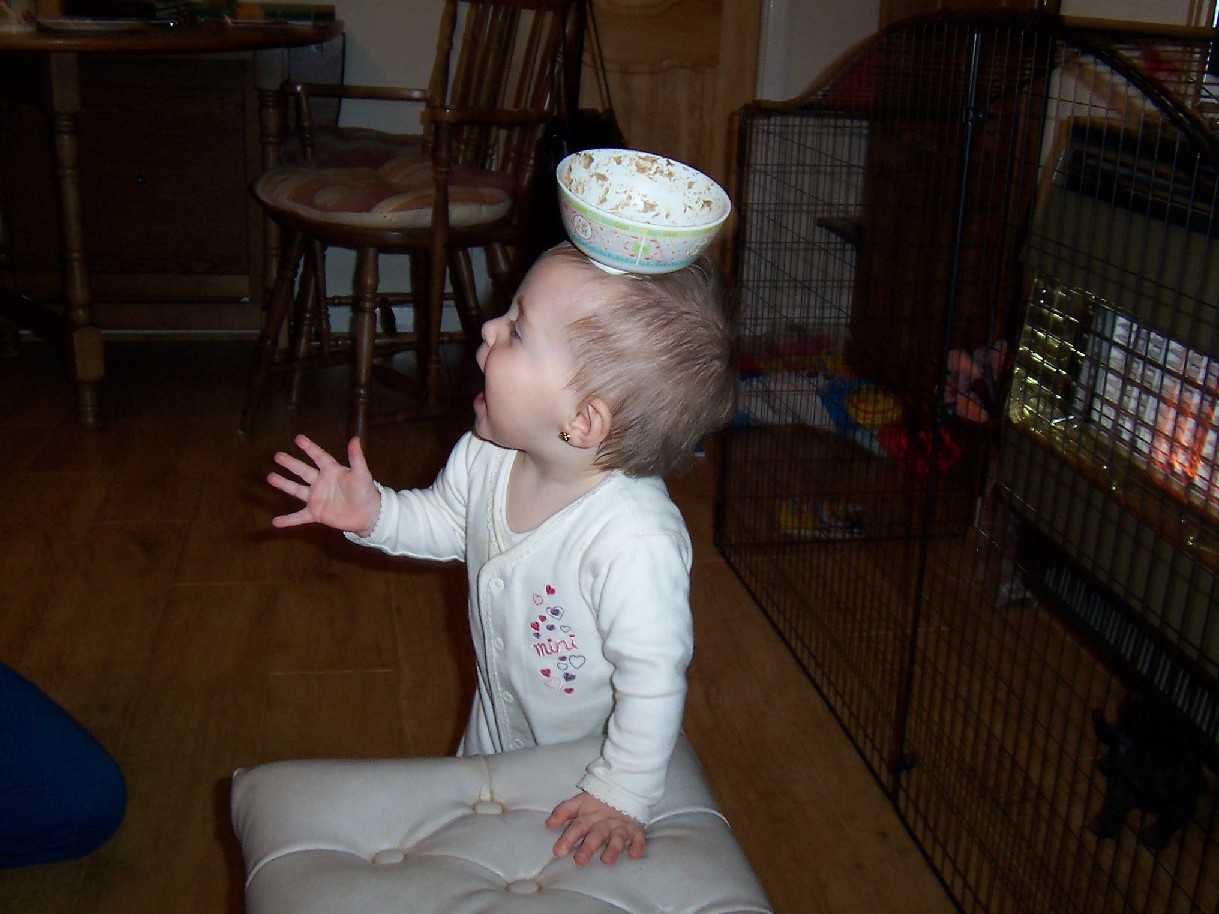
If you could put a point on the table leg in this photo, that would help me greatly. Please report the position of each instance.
(82, 339)
(270, 70)
(8, 290)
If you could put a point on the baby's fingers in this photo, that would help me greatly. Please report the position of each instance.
(288, 486)
(567, 841)
(564, 812)
(296, 467)
(314, 452)
(355, 457)
(573, 830)
(581, 838)
(295, 519)
(621, 838)
(617, 843)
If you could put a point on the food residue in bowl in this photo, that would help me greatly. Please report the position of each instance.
(644, 188)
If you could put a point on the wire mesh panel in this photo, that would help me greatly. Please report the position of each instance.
(973, 480)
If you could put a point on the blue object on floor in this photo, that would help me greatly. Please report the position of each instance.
(61, 793)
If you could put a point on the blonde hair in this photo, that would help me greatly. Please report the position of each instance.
(658, 350)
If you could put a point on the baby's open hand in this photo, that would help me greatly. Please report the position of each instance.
(592, 825)
(341, 497)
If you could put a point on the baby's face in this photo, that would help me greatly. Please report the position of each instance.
(527, 360)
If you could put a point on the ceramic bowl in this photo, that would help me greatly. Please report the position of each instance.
(638, 212)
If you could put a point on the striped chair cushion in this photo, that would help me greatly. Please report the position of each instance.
(397, 195)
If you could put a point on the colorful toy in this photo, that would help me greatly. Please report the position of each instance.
(974, 383)
(814, 518)
(872, 406)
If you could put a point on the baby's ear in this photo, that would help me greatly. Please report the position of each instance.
(592, 423)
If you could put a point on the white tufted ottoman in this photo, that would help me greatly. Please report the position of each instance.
(465, 835)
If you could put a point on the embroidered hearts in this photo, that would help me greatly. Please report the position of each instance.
(557, 683)
(551, 637)
(549, 591)
(537, 599)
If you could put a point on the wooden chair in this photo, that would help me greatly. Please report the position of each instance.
(465, 183)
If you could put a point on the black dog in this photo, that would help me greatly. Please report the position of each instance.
(1151, 765)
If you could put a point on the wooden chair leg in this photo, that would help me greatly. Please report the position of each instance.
(310, 310)
(268, 337)
(363, 338)
(420, 301)
(438, 263)
(503, 269)
(465, 294)
(386, 319)
(323, 315)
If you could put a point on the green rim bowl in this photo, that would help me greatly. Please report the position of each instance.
(638, 212)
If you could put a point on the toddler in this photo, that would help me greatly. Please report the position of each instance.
(595, 386)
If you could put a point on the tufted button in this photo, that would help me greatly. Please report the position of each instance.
(389, 857)
(524, 887)
(488, 807)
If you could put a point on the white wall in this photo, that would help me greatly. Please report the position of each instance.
(389, 43)
(801, 38)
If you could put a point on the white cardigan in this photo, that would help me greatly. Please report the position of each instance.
(580, 627)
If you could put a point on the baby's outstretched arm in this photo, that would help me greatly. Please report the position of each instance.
(592, 825)
(341, 497)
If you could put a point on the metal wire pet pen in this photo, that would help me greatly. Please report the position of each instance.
(974, 477)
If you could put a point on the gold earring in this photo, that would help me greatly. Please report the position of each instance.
(564, 437)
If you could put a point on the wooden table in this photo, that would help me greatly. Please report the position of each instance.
(75, 328)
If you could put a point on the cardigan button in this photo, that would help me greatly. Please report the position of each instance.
(497, 584)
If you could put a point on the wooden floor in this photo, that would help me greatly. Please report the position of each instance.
(142, 586)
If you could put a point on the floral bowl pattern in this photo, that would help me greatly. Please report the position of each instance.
(638, 212)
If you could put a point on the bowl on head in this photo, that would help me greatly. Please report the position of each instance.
(638, 212)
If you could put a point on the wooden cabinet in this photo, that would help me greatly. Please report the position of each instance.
(169, 146)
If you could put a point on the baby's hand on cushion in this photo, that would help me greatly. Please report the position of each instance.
(592, 825)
